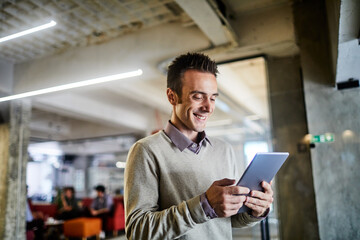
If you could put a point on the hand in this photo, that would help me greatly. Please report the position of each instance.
(67, 208)
(258, 201)
(93, 212)
(222, 199)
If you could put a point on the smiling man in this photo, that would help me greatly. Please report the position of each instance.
(179, 183)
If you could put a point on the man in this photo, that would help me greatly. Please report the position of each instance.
(68, 207)
(179, 183)
(34, 222)
(101, 205)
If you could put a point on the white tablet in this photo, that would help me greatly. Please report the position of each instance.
(263, 167)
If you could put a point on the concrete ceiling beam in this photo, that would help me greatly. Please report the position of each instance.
(207, 20)
(84, 108)
(148, 95)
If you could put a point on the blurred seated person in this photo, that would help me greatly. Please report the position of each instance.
(35, 223)
(68, 207)
(101, 206)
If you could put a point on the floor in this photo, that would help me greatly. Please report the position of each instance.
(120, 237)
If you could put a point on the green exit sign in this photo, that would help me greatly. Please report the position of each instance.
(327, 137)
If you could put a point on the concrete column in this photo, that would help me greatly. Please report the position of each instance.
(14, 137)
(296, 197)
(336, 165)
(6, 77)
(4, 156)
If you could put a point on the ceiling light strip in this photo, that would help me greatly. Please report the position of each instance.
(29, 31)
(74, 85)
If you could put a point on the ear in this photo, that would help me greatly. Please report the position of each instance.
(172, 96)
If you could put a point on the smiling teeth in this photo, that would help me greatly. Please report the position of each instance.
(200, 117)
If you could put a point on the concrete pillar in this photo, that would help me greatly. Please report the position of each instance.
(294, 182)
(4, 156)
(14, 136)
(6, 77)
(336, 165)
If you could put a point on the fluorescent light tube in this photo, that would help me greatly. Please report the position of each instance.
(29, 31)
(74, 85)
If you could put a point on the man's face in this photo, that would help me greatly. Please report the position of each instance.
(197, 103)
(100, 193)
(68, 193)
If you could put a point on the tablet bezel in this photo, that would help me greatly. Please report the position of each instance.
(263, 167)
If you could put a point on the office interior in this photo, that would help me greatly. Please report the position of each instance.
(288, 82)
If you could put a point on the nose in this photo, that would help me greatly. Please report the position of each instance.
(208, 105)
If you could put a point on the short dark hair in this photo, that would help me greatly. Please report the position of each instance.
(69, 188)
(178, 67)
(100, 188)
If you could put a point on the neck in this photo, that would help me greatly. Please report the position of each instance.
(192, 135)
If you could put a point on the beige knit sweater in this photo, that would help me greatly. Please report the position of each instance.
(163, 188)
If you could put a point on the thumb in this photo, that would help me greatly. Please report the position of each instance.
(224, 182)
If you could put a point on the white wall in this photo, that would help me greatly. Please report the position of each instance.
(348, 62)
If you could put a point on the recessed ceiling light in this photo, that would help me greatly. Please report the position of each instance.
(74, 85)
(120, 164)
(29, 31)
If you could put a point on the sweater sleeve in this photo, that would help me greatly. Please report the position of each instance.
(243, 219)
(144, 219)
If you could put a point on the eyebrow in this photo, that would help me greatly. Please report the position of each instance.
(204, 93)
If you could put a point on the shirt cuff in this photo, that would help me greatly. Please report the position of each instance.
(209, 211)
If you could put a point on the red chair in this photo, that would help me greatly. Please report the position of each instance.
(116, 222)
(30, 235)
(48, 210)
(86, 202)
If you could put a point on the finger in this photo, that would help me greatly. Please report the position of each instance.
(267, 187)
(232, 207)
(262, 196)
(233, 199)
(227, 210)
(236, 199)
(257, 210)
(225, 182)
(237, 190)
(258, 202)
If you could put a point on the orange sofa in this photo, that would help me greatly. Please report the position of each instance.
(82, 227)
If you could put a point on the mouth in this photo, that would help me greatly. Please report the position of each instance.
(200, 117)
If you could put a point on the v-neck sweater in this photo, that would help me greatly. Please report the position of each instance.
(163, 187)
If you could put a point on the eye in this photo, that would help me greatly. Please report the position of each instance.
(197, 97)
(213, 98)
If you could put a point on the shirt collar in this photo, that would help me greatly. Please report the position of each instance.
(179, 139)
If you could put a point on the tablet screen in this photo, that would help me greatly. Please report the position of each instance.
(263, 167)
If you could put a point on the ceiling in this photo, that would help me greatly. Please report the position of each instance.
(138, 106)
(82, 23)
(79, 23)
